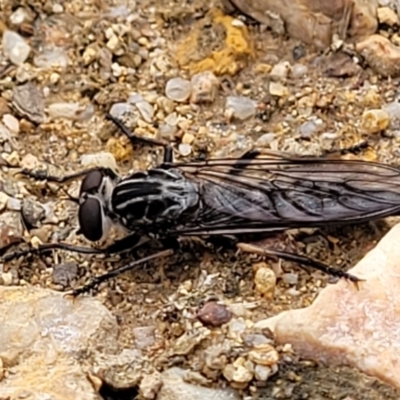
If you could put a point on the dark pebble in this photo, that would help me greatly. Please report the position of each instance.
(214, 314)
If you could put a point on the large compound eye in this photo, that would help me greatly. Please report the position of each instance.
(91, 182)
(90, 218)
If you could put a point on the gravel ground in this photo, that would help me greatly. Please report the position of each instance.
(315, 104)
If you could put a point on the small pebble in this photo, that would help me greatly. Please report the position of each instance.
(146, 110)
(298, 52)
(262, 68)
(293, 292)
(65, 273)
(117, 69)
(237, 373)
(167, 131)
(236, 328)
(178, 89)
(15, 47)
(281, 70)
(144, 336)
(117, 110)
(393, 110)
(150, 385)
(100, 159)
(50, 58)
(264, 354)
(290, 278)
(277, 89)
(63, 110)
(12, 158)
(309, 128)
(11, 123)
(57, 8)
(113, 43)
(266, 138)
(387, 16)
(28, 100)
(29, 162)
(89, 55)
(204, 87)
(4, 108)
(239, 310)
(3, 200)
(188, 138)
(262, 373)
(184, 149)
(165, 104)
(374, 121)
(298, 71)
(172, 119)
(265, 281)
(135, 98)
(33, 213)
(214, 314)
(19, 16)
(240, 107)
(7, 278)
(14, 204)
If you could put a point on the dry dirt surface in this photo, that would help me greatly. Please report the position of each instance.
(87, 57)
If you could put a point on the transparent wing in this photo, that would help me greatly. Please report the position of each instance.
(269, 191)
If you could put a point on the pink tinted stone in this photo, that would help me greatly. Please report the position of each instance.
(346, 326)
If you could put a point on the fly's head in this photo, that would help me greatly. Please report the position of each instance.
(94, 214)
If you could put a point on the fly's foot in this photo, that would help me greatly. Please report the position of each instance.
(87, 287)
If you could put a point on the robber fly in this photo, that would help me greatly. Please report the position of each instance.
(262, 192)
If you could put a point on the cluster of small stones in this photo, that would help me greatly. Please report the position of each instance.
(52, 112)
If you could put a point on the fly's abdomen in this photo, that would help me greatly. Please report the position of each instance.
(155, 196)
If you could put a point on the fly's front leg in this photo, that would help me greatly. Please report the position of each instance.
(127, 243)
(303, 260)
(135, 139)
(45, 247)
(43, 175)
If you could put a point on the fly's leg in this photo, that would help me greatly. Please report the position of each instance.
(249, 156)
(42, 175)
(135, 139)
(43, 248)
(357, 148)
(303, 260)
(127, 243)
(118, 271)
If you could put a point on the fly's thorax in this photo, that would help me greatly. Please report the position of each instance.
(95, 215)
(155, 196)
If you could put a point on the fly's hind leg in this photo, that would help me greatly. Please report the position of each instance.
(303, 260)
(355, 149)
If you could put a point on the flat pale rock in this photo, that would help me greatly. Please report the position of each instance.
(43, 336)
(346, 326)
